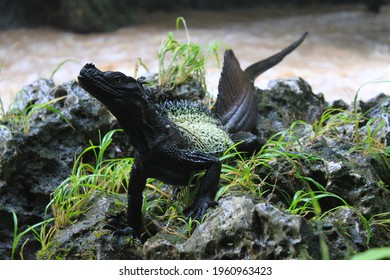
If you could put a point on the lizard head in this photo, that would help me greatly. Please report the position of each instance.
(113, 89)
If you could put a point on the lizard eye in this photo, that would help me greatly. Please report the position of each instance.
(117, 80)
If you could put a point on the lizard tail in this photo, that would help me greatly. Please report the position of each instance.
(236, 105)
(258, 68)
(236, 102)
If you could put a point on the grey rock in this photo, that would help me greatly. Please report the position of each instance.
(220, 236)
(37, 154)
(344, 233)
(241, 229)
(88, 238)
(35, 160)
(286, 101)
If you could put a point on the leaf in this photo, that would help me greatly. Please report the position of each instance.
(374, 254)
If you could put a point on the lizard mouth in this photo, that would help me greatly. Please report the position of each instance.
(85, 74)
(80, 80)
(92, 80)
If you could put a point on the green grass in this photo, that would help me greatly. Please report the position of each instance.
(68, 200)
(107, 175)
(240, 175)
(17, 119)
(181, 61)
(43, 235)
(374, 254)
(21, 120)
(59, 66)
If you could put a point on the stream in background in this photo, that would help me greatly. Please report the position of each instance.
(346, 48)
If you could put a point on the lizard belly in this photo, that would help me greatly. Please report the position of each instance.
(205, 137)
(198, 128)
(168, 172)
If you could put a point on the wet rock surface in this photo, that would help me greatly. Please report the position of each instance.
(285, 101)
(33, 162)
(91, 238)
(190, 90)
(241, 229)
(37, 153)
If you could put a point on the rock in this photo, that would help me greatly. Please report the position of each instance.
(190, 90)
(286, 101)
(344, 233)
(220, 236)
(162, 247)
(37, 153)
(87, 238)
(240, 229)
(349, 168)
(285, 236)
(345, 166)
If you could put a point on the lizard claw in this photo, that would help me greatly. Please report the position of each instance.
(199, 208)
(127, 232)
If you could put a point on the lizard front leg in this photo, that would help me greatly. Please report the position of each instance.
(174, 166)
(135, 199)
(207, 189)
(194, 160)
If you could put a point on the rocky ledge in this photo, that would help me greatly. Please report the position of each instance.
(321, 182)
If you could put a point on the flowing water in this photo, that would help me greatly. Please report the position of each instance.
(346, 48)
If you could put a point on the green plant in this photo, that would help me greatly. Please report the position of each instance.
(190, 225)
(58, 67)
(17, 119)
(107, 175)
(41, 236)
(328, 125)
(179, 61)
(20, 120)
(374, 254)
(68, 200)
(137, 66)
(2, 110)
(335, 123)
(239, 172)
(381, 219)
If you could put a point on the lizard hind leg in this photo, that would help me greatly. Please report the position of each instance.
(248, 142)
(207, 190)
(195, 161)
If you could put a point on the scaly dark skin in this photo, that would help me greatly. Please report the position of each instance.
(160, 150)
